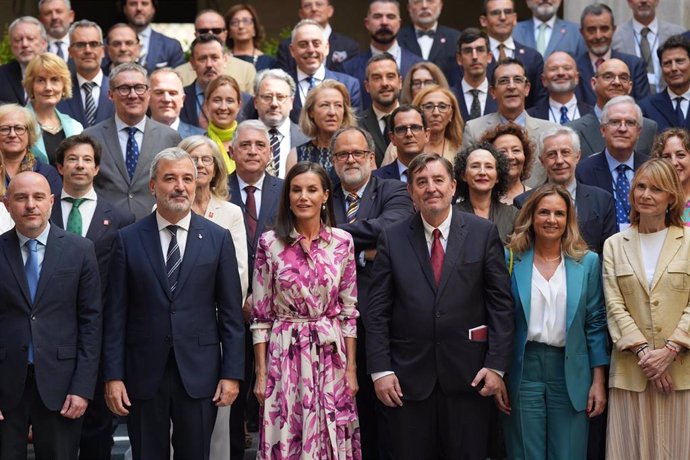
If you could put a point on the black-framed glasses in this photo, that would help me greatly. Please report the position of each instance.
(211, 30)
(82, 45)
(241, 22)
(356, 154)
(503, 12)
(139, 89)
(402, 130)
(441, 106)
(18, 129)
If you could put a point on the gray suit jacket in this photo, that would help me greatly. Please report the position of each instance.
(592, 142)
(624, 39)
(112, 181)
(475, 129)
(297, 137)
(564, 37)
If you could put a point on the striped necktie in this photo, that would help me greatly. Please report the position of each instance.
(274, 139)
(352, 207)
(89, 103)
(174, 259)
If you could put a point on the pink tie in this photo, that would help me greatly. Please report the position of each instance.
(437, 255)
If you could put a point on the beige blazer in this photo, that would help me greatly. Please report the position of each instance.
(230, 216)
(242, 71)
(637, 313)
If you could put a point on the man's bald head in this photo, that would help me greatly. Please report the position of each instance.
(612, 79)
(29, 202)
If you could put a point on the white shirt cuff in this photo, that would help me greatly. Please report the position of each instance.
(377, 375)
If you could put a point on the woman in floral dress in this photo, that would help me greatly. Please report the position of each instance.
(304, 327)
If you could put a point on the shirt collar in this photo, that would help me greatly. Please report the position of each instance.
(64, 40)
(434, 27)
(146, 33)
(653, 26)
(556, 106)
(175, 124)
(393, 50)
(182, 223)
(98, 79)
(90, 195)
(597, 112)
(327, 31)
(572, 187)
(520, 120)
(672, 95)
(324, 234)
(401, 168)
(320, 74)
(550, 23)
(380, 114)
(444, 227)
(593, 59)
(613, 163)
(359, 192)
(120, 125)
(42, 238)
(259, 185)
(509, 43)
(483, 87)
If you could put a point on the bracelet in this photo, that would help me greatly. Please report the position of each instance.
(641, 348)
(672, 346)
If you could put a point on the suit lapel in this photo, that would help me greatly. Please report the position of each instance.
(522, 269)
(113, 146)
(339, 206)
(99, 222)
(152, 246)
(672, 243)
(56, 213)
(603, 176)
(270, 196)
(574, 275)
(51, 259)
(419, 246)
(13, 255)
(631, 248)
(454, 249)
(147, 150)
(195, 239)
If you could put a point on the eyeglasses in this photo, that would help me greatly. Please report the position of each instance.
(211, 30)
(441, 106)
(503, 12)
(468, 50)
(119, 43)
(243, 22)
(608, 77)
(505, 81)
(552, 155)
(206, 160)
(18, 129)
(268, 98)
(402, 130)
(418, 84)
(124, 90)
(356, 154)
(617, 124)
(83, 45)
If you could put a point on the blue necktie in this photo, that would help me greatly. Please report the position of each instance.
(564, 115)
(680, 118)
(622, 191)
(312, 83)
(33, 273)
(132, 153)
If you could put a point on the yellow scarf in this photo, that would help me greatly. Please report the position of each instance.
(220, 135)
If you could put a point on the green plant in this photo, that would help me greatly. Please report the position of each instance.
(270, 45)
(5, 48)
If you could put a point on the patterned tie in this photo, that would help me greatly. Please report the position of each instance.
(564, 115)
(622, 191)
(645, 50)
(352, 207)
(680, 117)
(132, 153)
(33, 274)
(89, 103)
(437, 255)
(74, 224)
(250, 209)
(501, 52)
(312, 83)
(476, 109)
(541, 38)
(174, 259)
(58, 50)
(274, 139)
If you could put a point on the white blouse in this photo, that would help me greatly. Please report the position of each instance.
(547, 320)
(650, 247)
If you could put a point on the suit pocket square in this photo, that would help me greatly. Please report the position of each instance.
(160, 65)
(478, 334)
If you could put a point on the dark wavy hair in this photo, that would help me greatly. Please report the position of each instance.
(527, 145)
(259, 33)
(502, 167)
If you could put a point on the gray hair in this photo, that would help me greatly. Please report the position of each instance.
(620, 100)
(126, 67)
(67, 3)
(558, 131)
(254, 125)
(85, 23)
(276, 74)
(168, 70)
(370, 140)
(28, 20)
(170, 154)
(306, 22)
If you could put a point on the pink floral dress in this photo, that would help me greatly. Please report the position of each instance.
(304, 307)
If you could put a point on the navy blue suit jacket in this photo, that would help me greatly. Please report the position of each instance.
(11, 89)
(542, 110)
(163, 52)
(74, 107)
(636, 66)
(443, 48)
(368, 121)
(594, 170)
(489, 107)
(340, 48)
(350, 83)
(357, 67)
(144, 322)
(64, 320)
(390, 171)
(596, 214)
(660, 108)
(102, 232)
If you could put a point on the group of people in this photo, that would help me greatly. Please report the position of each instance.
(454, 244)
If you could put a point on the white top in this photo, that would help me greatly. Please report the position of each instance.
(650, 246)
(6, 222)
(95, 91)
(87, 209)
(548, 308)
(182, 232)
(483, 94)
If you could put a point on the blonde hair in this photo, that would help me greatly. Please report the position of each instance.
(219, 181)
(455, 125)
(29, 120)
(663, 175)
(51, 64)
(523, 236)
(306, 121)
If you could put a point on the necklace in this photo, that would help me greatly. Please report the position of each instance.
(50, 128)
(549, 260)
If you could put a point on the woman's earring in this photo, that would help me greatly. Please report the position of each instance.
(323, 207)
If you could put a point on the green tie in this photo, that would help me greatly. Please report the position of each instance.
(541, 38)
(74, 218)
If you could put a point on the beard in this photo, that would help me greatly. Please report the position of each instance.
(384, 36)
(562, 87)
(545, 12)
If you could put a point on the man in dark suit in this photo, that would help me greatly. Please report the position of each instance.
(560, 77)
(614, 167)
(89, 103)
(669, 108)
(428, 39)
(167, 98)
(129, 140)
(174, 303)
(79, 210)
(310, 48)
(409, 133)
(27, 39)
(613, 79)
(433, 364)
(340, 46)
(122, 45)
(472, 91)
(56, 17)
(597, 28)
(157, 50)
(364, 205)
(596, 215)
(50, 326)
(383, 24)
(383, 84)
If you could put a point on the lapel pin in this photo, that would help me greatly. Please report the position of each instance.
(200, 237)
(522, 51)
(106, 222)
(443, 39)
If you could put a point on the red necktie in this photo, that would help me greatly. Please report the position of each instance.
(250, 209)
(437, 255)
(598, 62)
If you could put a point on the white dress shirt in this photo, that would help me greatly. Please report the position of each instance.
(303, 81)
(653, 40)
(683, 103)
(509, 47)
(259, 185)
(555, 110)
(483, 94)
(425, 42)
(87, 209)
(548, 307)
(123, 135)
(95, 91)
(182, 233)
(64, 45)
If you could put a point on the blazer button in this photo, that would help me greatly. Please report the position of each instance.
(33, 317)
(438, 314)
(655, 303)
(130, 195)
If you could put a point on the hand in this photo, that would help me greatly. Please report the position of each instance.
(2, 417)
(260, 387)
(351, 380)
(664, 383)
(247, 309)
(655, 362)
(596, 401)
(492, 381)
(74, 407)
(116, 397)
(226, 392)
(388, 390)
(502, 400)
(369, 255)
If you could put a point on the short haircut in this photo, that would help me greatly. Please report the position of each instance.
(125, 67)
(486, 4)
(170, 154)
(306, 22)
(367, 137)
(219, 181)
(52, 65)
(306, 121)
(123, 3)
(433, 69)
(505, 62)
(558, 131)
(79, 139)
(168, 70)
(621, 100)
(674, 41)
(402, 109)
(249, 125)
(276, 74)
(663, 175)
(511, 129)
(394, 2)
(123, 25)
(596, 9)
(502, 168)
(380, 58)
(471, 35)
(67, 3)
(83, 23)
(28, 20)
(202, 40)
(420, 161)
(32, 128)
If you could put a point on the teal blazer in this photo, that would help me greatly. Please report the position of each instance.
(586, 343)
(69, 125)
